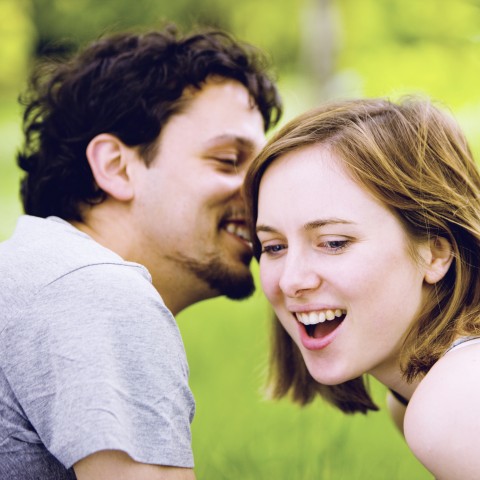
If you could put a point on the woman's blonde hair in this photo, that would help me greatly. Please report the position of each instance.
(413, 157)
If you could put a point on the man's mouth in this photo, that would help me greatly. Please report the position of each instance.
(238, 229)
(320, 323)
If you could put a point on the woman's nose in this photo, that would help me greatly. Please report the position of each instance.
(298, 276)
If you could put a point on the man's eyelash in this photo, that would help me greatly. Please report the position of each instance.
(229, 161)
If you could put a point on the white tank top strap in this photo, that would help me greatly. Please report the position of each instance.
(463, 342)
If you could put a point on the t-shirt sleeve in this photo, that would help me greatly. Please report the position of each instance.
(97, 362)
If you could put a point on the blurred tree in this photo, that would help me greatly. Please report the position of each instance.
(320, 46)
(16, 34)
(272, 25)
(62, 24)
(430, 46)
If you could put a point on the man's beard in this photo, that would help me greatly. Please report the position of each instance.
(219, 276)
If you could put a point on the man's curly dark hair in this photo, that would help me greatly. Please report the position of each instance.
(127, 85)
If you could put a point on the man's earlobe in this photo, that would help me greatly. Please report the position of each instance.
(440, 261)
(108, 158)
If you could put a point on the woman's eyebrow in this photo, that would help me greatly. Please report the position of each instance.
(309, 225)
(328, 221)
(265, 228)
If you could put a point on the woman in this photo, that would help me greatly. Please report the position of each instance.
(367, 230)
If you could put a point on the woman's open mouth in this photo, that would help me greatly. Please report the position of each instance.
(319, 324)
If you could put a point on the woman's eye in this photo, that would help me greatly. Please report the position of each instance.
(335, 246)
(273, 249)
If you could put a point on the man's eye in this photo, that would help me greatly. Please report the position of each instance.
(227, 161)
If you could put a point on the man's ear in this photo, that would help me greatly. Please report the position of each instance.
(441, 257)
(109, 160)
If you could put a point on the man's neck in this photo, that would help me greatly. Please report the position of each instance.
(111, 228)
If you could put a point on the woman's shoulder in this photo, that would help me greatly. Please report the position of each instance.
(442, 425)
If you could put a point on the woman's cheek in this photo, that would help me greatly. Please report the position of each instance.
(269, 280)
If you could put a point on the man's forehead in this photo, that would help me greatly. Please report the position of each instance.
(216, 115)
(192, 92)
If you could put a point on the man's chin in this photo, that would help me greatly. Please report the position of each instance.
(239, 290)
(233, 281)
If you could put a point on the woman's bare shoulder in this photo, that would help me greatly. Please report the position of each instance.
(442, 424)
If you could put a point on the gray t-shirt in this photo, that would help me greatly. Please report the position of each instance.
(90, 357)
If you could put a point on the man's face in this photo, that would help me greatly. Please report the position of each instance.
(190, 213)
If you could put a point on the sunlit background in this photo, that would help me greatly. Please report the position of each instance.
(320, 49)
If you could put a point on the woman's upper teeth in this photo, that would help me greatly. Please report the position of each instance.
(312, 318)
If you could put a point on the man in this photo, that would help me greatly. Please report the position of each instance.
(135, 152)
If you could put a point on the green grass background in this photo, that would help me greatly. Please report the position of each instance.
(237, 433)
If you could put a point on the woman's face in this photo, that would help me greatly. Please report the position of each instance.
(337, 266)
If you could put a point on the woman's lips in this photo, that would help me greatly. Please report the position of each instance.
(318, 328)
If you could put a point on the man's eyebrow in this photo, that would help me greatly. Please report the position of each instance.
(240, 142)
(308, 226)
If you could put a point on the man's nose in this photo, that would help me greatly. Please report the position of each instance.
(237, 183)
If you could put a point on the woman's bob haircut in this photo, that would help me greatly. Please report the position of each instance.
(413, 157)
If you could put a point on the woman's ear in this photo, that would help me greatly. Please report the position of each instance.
(108, 158)
(441, 257)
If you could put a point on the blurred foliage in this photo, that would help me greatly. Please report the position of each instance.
(320, 49)
(83, 20)
(17, 34)
(430, 46)
(337, 47)
(397, 47)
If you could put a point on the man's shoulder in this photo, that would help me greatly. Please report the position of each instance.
(41, 251)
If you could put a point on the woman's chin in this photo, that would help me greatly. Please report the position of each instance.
(324, 379)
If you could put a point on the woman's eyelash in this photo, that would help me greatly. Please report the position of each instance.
(273, 249)
(335, 245)
(332, 246)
